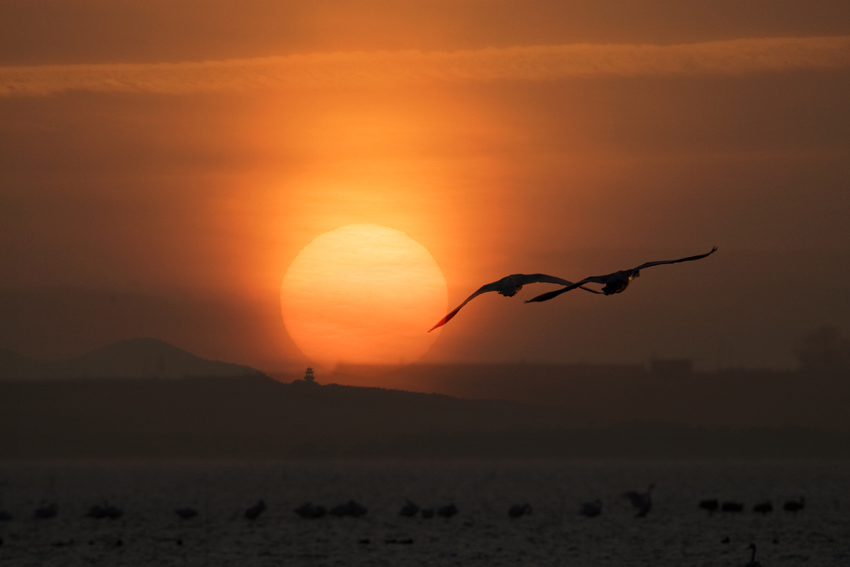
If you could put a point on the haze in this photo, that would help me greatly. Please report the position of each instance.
(162, 163)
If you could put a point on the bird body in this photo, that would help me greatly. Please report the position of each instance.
(447, 511)
(310, 511)
(763, 507)
(186, 513)
(615, 282)
(795, 505)
(732, 507)
(48, 511)
(710, 504)
(350, 508)
(591, 509)
(508, 286)
(641, 500)
(104, 511)
(254, 511)
(409, 509)
(518, 510)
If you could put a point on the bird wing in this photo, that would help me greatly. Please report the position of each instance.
(520, 279)
(525, 279)
(494, 286)
(688, 259)
(552, 294)
(604, 279)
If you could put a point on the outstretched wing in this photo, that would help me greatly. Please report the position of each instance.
(552, 294)
(520, 279)
(525, 279)
(495, 286)
(604, 279)
(688, 259)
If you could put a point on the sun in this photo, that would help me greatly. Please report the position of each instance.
(363, 294)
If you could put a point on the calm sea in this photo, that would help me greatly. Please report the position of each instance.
(675, 531)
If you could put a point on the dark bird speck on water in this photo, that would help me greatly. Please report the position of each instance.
(710, 504)
(519, 510)
(732, 506)
(795, 505)
(310, 511)
(763, 507)
(591, 509)
(350, 508)
(447, 511)
(409, 509)
(100, 511)
(254, 511)
(48, 511)
(616, 282)
(186, 513)
(641, 501)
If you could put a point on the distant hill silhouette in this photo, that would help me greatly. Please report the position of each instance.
(132, 358)
(254, 417)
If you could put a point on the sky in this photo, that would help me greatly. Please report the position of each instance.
(162, 164)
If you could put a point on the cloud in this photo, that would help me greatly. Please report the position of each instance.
(400, 68)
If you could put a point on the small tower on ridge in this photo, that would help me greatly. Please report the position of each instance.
(308, 376)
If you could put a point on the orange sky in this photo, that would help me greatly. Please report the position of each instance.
(162, 163)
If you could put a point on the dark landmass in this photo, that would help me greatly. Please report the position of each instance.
(259, 418)
(662, 390)
(128, 359)
(145, 399)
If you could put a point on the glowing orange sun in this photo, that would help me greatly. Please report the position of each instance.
(363, 294)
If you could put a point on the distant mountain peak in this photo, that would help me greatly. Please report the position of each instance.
(143, 357)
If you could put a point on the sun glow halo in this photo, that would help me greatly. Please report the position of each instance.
(363, 294)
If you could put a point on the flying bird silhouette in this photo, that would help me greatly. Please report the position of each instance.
(616, 282)
(509, 286)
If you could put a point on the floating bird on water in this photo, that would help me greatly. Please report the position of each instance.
(752, 562)
(732, 507)
(447, 511)
(509, 286)
(711, 505)
(104, 511)
(616, 282)
(351, 508)
(591, 509)
(255, 510)
(795, 505)
(518, 510)
(641, 500)
(763, 507)
(308, 510)
(186, 513)
(48, 511)
(409, 509)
